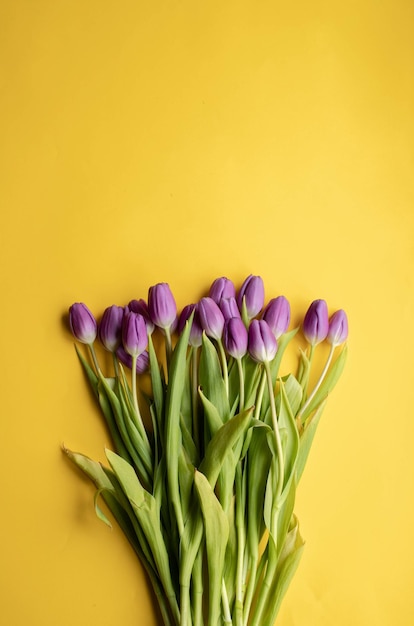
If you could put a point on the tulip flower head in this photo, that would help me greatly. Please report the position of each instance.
(222, 288)
(229, 308)
(277, 315)
(235, 337)
(134, 334)
(252, 292)
(110, 327)
(161, 306)
(211, 318)
(82, 323)
(142, 360)
(338, 328)
(196, 331)
(316, 322)
(141, 307)
(262, 344)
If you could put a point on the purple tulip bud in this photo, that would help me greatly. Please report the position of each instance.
(252, 290)
(196, 331)
(82, 323)
(338, 328)
(211, 318)
(277, 315)
(316, 323)
(110, 327)
(134, 334)
(141, 307)
(161, 306)
(235, 337)
(229, 308)
(262, 342)
(126, 359)
(222, 288)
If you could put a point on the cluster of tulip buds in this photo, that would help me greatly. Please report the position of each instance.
(240, 321)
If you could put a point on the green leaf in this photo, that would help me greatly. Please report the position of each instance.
(303, 372)
(211, 379)
(157, 386)
(287, 422)
(127, 477)
(91, 468)
(306, 440)
(287, 565)
(223, 442)
(111, 423)
(147, 514)
(328, 384)
(99, 513)
(186, 478)
(211, 413)
(176, 382)
(293, 392)
(90, 374)
(282, 344)
(119, 414)
(258, 465)
(217, 533)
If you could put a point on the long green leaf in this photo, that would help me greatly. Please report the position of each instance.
(146, 511)
(176, 382)
(217, 533)
(306, 440)
(223, 442)
(211, 379)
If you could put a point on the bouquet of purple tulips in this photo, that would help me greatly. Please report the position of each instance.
(209, 442)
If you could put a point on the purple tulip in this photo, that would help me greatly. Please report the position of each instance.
(277, 315)
(134, 334)
(110, 327)
(82, 323)
(235, 337)
(126, 359)
(316, 323)
(252, 290)
(141, 307)
(196, 331)
(229, 308)
(161, 306)
(262, 344)
(338, 328)
(222, 288)
(211, 318)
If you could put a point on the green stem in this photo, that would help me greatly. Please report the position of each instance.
(261, 570)
(197, 578)
(241, 382)
(93, 355)
(185, 613)
(305, 388)
(279, 450)
(240, 508)
(225, 601)
(318, 384)
(168, 349)
(194, 397)
(224, 366)
(259, 398)
(116, 365)
(254, 559)
(134, 385)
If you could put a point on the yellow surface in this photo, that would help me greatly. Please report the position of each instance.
(177, 141)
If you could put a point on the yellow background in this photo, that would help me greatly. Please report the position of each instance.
(146, 141)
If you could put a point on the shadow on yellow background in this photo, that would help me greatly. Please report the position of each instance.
(179, 141)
